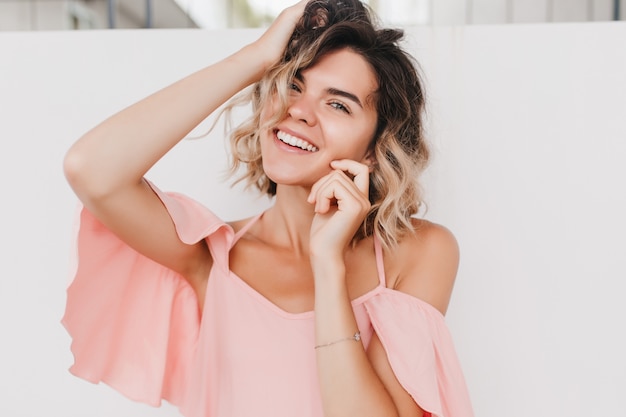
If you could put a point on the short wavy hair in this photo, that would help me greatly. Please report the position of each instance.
(398, 146)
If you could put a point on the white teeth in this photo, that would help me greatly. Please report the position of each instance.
(294, 141)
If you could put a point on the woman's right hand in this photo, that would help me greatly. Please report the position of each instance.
(273, 42)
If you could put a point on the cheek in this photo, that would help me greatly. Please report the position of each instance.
(354, 142)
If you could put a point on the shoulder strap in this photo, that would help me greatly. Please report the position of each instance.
(245, 228)
(380, 266)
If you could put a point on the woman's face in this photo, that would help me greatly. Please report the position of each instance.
(330, 115)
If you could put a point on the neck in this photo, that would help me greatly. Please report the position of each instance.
(288, 222)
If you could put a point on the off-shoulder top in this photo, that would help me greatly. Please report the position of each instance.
(135, 325)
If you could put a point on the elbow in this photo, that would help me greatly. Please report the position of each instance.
(81, 174)
(74, 167)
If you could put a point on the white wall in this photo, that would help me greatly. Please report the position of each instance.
(527, 125)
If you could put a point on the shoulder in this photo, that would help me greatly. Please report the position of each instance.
(425, 264)
(432, 238)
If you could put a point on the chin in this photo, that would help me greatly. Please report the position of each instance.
(290, 177)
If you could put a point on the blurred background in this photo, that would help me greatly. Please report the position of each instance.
(36, 15)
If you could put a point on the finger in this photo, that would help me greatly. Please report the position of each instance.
(319, 183)
(295, 11)
(320, 194)
(359, 171)
(333, 193)
(274, 41)
(340, 189)
(323, 182)
(347, 176)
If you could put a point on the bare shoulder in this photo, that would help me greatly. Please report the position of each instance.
(432, 237)
(425, 264)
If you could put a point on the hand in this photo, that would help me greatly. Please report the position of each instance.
(273, 42)
(341, 204)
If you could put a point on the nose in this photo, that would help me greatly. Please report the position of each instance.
(301, 108)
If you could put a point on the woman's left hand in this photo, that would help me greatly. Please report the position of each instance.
(341, 204)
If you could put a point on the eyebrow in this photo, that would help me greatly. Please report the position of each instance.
(345, 94)
(335, 91)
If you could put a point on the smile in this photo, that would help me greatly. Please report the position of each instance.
(295, 142)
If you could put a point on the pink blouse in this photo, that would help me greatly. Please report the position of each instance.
(135, 325)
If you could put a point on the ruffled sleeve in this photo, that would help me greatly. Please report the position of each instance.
(135, 323)
(421, 353)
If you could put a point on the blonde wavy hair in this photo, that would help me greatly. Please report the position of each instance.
(398, 147)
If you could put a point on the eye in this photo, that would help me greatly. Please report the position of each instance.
(339, 106)
(295, 87)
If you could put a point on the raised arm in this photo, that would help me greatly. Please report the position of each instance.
(106, 166)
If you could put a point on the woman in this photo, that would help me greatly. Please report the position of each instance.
(329, 303)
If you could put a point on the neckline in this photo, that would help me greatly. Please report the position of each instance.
(380, 270)
(378, 250)
(292, 315)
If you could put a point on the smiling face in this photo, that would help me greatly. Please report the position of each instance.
(331, 115)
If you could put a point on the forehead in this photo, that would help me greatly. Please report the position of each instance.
(344, 70)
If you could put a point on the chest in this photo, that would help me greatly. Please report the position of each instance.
(286, 279)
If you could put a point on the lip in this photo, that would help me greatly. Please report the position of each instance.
(288, 147)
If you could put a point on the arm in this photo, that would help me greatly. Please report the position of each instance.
(353, 381)
(425, 266)
(106, 166)
(349, 383)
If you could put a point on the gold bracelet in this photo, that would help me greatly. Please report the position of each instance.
(356, 338)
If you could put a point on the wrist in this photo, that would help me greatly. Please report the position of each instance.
(327, 261)
(329, 274)
(251, 58)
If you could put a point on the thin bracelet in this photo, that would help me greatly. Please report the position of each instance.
(356, 338)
